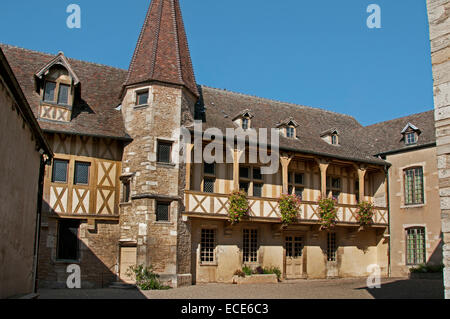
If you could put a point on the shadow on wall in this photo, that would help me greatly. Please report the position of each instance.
(409, 289)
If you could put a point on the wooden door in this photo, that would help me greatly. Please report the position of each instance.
(293, 256)
(127, 259)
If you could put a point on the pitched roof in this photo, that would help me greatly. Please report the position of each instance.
(94, 113)
(387, 136)
(162, 52)
(222, 105)
(13, 85)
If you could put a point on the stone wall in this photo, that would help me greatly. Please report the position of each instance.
(19, 170)
(438, 14)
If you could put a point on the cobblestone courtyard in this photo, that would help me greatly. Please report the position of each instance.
(302, 289)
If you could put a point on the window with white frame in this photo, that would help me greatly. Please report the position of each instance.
(207, 246)
(331, 247)
(250, 246)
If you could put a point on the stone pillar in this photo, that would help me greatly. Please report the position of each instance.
(438, 17)
(323, 165)
(285, 161)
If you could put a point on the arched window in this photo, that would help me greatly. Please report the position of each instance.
(415, 246)
(413, 178)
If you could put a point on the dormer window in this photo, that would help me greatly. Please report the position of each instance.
(290, 132)
(245, 123)
(331, 137)
(410, 134)
(49, 91)
(243, 119)
(63, 94)
(334, 139)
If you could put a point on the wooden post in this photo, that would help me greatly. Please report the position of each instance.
(361, 176)
(189, 148)
(323, 165)
(285, 161)
(236, 156)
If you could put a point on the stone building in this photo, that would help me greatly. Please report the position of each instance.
(24, 153)
(409, 145)
(120, 191)
(438, 16)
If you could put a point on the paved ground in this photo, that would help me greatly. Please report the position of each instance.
(303, 289)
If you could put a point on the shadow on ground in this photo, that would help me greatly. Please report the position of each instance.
(408, 289)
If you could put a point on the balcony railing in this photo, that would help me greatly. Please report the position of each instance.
(267, 208)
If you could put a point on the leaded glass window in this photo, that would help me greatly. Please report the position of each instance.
(208, 185)
(142, 98)
(59, 174)
(162, 212)
(415, 246)
(414, 186)
(164, 152)
(63, 94)
(331, 247)
(81, 173)
(209, 169)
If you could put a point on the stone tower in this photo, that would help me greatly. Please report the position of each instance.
(159, 96)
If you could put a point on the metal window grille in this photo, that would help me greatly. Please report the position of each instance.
(415, 246)
(250, 246)
(207, 245)
(81, 173)
(414, 186)
(331, 247)
(59, 174)
(209, 169)
(208, 185)
(49, 91)
(162, 212)
(68, 243)
(142, 98)
(164, 152)
(63, 95)
(257, 189)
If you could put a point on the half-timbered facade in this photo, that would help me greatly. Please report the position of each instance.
(117, 192)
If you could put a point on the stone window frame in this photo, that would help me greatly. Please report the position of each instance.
(126, 179)
(140, 90)
(425, 238)
(165, 141)
(169, 213)
(401, 179)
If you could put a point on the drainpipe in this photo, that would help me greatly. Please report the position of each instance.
(386, 171)
(38, 221)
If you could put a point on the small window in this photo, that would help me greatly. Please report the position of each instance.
(331, 247)
(207, 245)
(162, 212)
(49, 91)
(63, 95)
(334, 187)
(209, 169)
(411, 138)
(142, 98)
(257, 189)
(245, 122)
(293, 246)
(250, 246)
(299, 179)
(59, 174)
(334, 139)
(68, 243)
(290, 132)
(244, 186)
(299, 192)
(244, 172)
(126, 191)
(257, 174)
(414, 186)
(164, 152)
(415, 246)
(208, 185)
(81, 173)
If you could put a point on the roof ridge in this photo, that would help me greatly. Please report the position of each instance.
(54, 55)
(281, 102)
(397, 119)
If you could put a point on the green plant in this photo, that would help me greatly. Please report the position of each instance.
(247, 271)
(238, 206)
(273, 270)
(427, 269)
(145, 278)
(364, 214)
(327, 212)
(289, 208)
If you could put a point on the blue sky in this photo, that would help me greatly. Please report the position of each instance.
(316, 53)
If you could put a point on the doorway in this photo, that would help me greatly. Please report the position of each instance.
(128, 257)
(293, 247)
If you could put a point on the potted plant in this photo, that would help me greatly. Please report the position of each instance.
(327, 212)
(289, 208)
(239, 206)
(364, 214)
